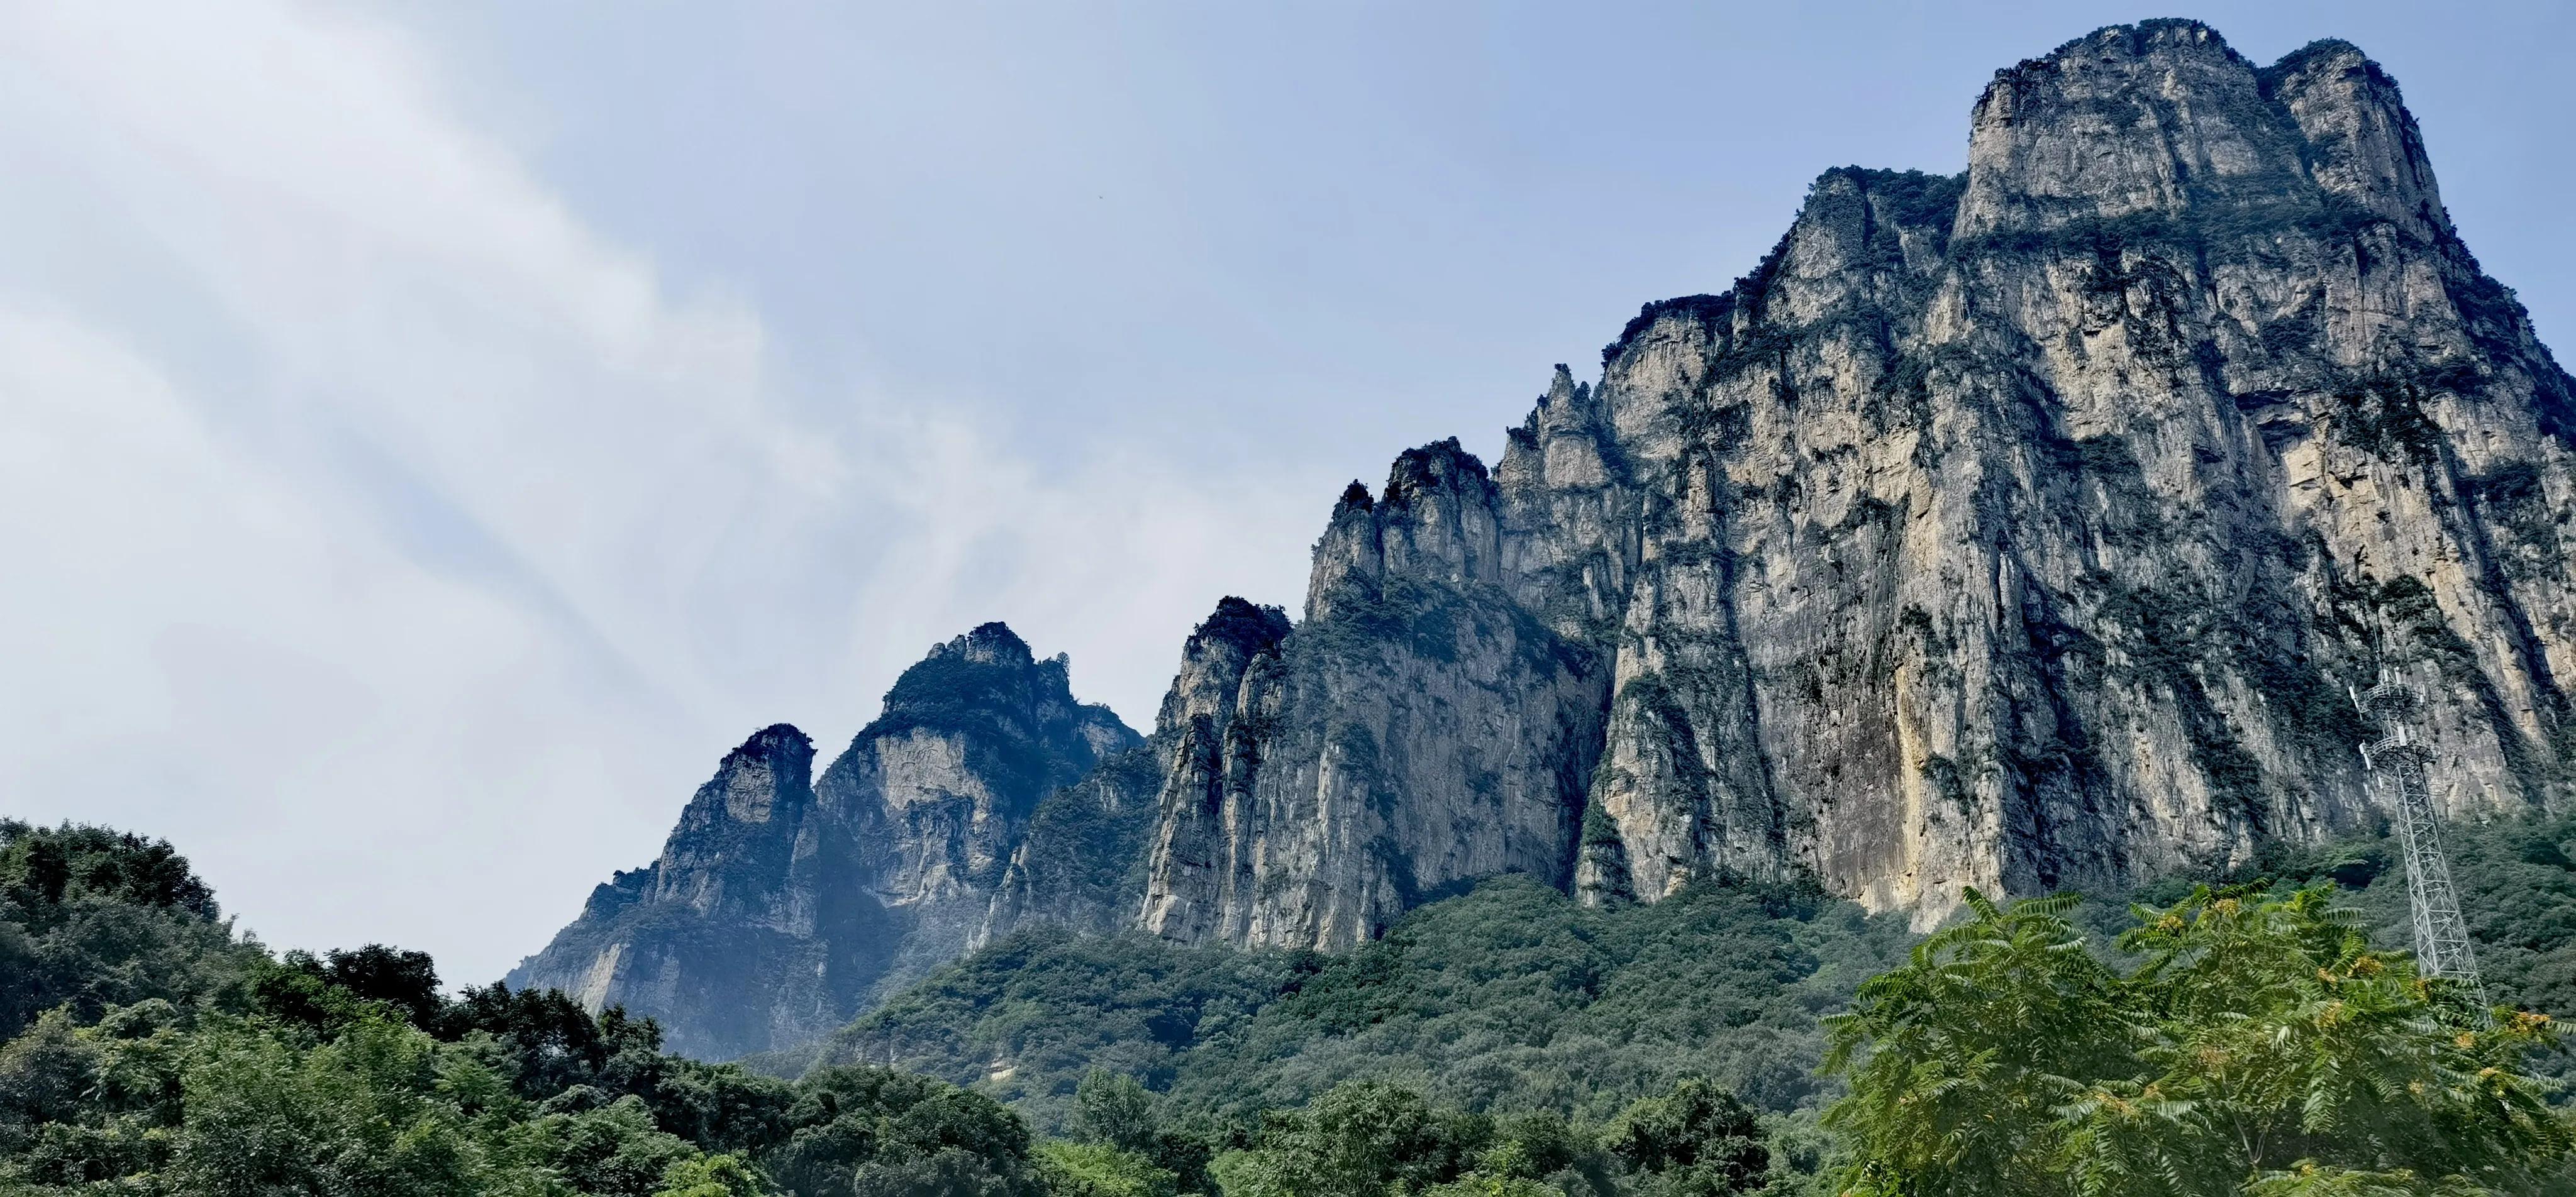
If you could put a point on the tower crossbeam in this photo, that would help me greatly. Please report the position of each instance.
(2398, 760)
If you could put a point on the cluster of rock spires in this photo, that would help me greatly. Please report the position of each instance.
(783, 902)
(2020, 529)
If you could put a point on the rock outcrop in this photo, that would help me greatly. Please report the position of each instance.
(1419, 729)
(2021, 529)
(1084, 863)
(781, 903)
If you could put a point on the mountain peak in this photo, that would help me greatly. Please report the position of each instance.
(776, 741)
(1442, 465)
(989, 644)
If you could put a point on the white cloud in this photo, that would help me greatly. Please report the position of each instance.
(405, 551)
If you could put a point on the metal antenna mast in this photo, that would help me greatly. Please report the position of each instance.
(2397, 759)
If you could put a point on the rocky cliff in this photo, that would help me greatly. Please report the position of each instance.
(2020, 529)
(1420, 728)
(781, 902)
(1083, 864)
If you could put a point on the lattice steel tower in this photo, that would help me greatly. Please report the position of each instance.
(2397, 759)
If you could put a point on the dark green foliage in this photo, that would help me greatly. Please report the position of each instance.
(41, 868)
(1915, 199)
(330, 1093)
(2517, 885)
(1362, 1137)
(96, 918)
(1113, 1111)
(2257, 1044)
(1442, 465)
(1696, 1139)
(232, 1072)
(407, 981)
(1054, 1005)
(1515, 998)
(1089, 843)
(1693, 1140)
(1509, 998)
(859, 1132)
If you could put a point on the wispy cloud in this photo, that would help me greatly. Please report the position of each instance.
(406, 551)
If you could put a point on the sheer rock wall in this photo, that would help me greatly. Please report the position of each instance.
(2021, 529)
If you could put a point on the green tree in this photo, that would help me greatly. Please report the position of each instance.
(2259, 1046)
(857, 1130)
(712, 1176)
(92, 918)
(1115, 1109)
(1361, 1137)
(356, 1116)
(1101, 1170)
(1697, 1140)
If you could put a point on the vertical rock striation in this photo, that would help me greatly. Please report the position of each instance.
(1419, 729)
(781, 903)
(1085, 860)
(2019, 529)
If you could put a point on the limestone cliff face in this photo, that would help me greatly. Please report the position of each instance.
(1419, 729)
(942, 786)
(1083, 864)
(781, 903)
(2019, 529)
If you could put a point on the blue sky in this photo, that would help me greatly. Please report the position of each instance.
(431, 435)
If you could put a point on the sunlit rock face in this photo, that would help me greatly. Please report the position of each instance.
(782, 902)
(2021, 529)
(1420, 728)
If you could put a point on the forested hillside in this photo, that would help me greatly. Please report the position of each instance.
(1504, 1041)
(1514, 998)
(2024, 531)
(151, 1051)
(1510, 998)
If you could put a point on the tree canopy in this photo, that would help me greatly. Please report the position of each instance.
(2258, 1045)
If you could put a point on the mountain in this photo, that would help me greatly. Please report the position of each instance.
(781, 902)
(2022, 529)
(2019, 529)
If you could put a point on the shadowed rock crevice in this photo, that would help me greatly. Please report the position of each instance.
(2018, 529)
(2021, 529)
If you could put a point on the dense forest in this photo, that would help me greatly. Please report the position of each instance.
(1735, 1039)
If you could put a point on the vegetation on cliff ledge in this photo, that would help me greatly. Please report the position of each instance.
(2262, 1039)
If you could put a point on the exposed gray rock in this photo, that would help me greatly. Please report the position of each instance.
(2020, 529)
(1084, 862)
(780, 904)
(1418, 730)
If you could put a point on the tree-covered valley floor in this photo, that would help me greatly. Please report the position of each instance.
(1501, 1041)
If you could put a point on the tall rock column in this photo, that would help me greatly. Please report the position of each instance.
(1419, 729)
